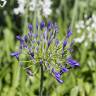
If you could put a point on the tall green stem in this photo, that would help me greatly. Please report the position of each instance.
(41, 80)
(74, 17)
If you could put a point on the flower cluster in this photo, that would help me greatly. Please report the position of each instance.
(43, 47)
(86, 29)
(34, 5)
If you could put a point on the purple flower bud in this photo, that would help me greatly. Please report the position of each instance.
(56, 28)
(59, 80)
(72, 62)
(18, 37)
(30, 27)
(37, 25)
(64, 69)
(64, 44)
(40, 62)
(62, 53)
(49, 42)
(29, 72)
(42, 25)
(21, 41)
(16, 54)
(71, 44)
(70, 49)
(45, 34)
(69, 33)
(25, 46)
(37, 49)
(57, 76)
(33, 47)
(51, 33)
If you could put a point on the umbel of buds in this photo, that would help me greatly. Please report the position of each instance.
(43, 47)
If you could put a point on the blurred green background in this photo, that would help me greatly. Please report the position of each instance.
(79, 82)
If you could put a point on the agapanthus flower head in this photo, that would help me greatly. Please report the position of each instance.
(44, 48)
